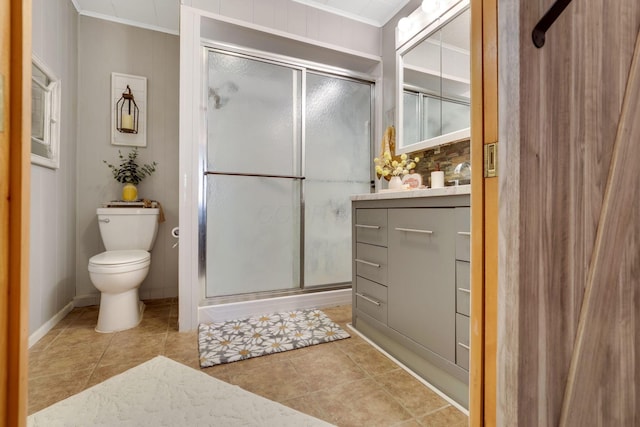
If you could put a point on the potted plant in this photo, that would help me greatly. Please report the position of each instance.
(130, 173)
(393, 169)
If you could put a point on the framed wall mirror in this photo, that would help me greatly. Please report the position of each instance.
(433, 82)
(45, 116)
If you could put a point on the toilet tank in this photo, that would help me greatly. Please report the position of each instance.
(128, 228)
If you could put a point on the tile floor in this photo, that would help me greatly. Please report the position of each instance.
(347, 382)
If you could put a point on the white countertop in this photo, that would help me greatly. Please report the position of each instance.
(406, 194)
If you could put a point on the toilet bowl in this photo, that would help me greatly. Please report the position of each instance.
(128, 235)
(118, 275)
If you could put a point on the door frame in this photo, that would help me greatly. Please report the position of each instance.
(15, 138)
(484, 214)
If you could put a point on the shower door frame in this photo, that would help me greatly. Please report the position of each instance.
(294, 64)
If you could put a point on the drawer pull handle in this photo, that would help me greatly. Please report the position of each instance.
(467, 291)
(464, 346)
(414, 230)
(374, 227)
(464, 233)
(372, 264)
(364, 297)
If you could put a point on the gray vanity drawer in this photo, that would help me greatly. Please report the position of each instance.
(463, 234)
(371, 226)
(463, 282)
(371, 298)
(462, 341)
(371, 262)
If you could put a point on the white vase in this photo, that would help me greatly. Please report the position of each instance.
(395, 183)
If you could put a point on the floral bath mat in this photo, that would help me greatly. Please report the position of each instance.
(225, 342)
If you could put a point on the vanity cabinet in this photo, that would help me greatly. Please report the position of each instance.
(370, 263)
(411, 283)
(463, 285)
(421, 268)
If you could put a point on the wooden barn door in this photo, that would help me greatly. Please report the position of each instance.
(569, 241)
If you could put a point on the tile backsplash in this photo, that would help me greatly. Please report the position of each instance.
(447, 157)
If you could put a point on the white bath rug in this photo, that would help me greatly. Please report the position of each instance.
(162, 392)
(224, 342)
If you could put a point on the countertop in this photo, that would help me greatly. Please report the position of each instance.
(406, 194)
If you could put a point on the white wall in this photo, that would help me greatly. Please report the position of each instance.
(298, 20)
(53, 191)
(389, 62)
(105, 47)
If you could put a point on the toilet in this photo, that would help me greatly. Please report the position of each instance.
(128, 235)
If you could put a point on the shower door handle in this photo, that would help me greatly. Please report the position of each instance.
(259, 175)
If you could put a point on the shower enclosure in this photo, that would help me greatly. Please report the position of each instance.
(286, 147)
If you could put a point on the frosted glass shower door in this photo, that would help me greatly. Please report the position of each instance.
(252, 176)
(337, 165)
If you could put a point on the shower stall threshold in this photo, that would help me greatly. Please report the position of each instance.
(225, 308)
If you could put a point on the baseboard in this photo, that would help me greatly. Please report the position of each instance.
(86, 300)
(49, 324)
(410, 371)
(238, 310)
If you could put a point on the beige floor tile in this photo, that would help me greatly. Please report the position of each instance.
(309, 405)
(361, 403)
(71, 337)
(345, 382)
(102, 373)
(446, 417)
(76, 358)
(326, 367)
(340, 315)
(410, 423)
(69, 318)
(183, 347)
(181, 340)
(157, 310)
(47, 390)
(369, 359)
(411, 393)
(219, 371)
(86, 319)
(148, 326)
(188, 358)
(127, 348)
(276, 381)
(44, 342)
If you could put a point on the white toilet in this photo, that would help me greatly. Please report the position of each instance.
(128, 235)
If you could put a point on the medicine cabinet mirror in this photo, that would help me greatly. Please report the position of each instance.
(433, 69)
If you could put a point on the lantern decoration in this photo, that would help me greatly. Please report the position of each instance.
(127, 113)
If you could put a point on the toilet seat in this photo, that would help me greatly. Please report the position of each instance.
(121, 261)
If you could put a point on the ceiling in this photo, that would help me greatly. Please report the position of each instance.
(163, 15)
(375, 12)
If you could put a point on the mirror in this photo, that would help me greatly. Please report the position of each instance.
(434, 87)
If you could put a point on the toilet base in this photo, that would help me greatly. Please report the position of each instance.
(119, 312)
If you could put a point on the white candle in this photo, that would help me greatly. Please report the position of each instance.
(437, 179)
(127, 121)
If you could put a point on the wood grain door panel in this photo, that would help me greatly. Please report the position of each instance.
(569, 294)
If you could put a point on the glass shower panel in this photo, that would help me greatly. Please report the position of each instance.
(253, 235)
(337, 165)
(253, 116)
(252, 223)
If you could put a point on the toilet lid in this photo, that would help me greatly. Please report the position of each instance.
(134, 256)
